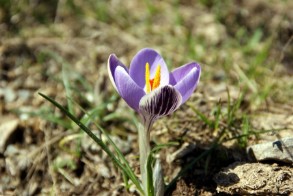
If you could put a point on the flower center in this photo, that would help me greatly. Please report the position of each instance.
(152, 84)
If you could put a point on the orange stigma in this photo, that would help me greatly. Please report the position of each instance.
(152, 84)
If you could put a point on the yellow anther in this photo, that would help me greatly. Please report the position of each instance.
(152, 84)
(147, 78)
(157, 78)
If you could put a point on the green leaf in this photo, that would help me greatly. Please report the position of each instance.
(117, 161)
(150, 183)
(201, 115)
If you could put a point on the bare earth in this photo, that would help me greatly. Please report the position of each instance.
(246, 94)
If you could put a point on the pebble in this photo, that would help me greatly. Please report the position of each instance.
(280, 150)
(7, 131)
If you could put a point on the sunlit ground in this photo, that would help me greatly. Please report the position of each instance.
(60, 48)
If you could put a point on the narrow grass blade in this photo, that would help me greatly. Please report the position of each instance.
(245, 131)
(150, 183)
(67, 86)
(121, 157)
(98, 141)
(217, 117)
(128, 169)
(201, 116)
(255, 133)
(160, 146)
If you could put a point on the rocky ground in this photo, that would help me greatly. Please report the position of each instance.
(61, 48)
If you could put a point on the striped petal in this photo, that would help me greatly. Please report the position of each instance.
(160, 102)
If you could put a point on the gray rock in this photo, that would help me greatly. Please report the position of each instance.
(280, 150)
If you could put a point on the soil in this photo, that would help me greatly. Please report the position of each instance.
(255, 178)
(44, 153)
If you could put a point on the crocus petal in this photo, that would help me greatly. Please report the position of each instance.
(185, 79)
(138, 63)
(113, 63)
(160, 102)
(179, 73)
(127, 88)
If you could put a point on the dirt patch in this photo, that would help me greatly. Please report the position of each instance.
(255, 178)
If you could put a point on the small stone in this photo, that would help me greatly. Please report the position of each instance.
(32, 188)
(7, 130)
(8, 94)
(24, 94)
(280, 150)
(103, 170)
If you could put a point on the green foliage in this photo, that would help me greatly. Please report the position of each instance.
(225, 119)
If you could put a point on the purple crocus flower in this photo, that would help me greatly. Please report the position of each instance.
(148, 87)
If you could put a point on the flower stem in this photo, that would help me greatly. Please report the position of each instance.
(150, 167)
(144, 151)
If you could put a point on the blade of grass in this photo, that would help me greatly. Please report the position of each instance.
(70, 138)
(250, 83)
(150, 163)
(125, 179)
(118, 152)
(122, 158)
(256, 132)
(100, 143)
(201, 116)
(67, 87)
(150, 182)
(160, 146)
(217, 116)
(245, 131)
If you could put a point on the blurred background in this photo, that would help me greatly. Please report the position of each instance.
(61, 47)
